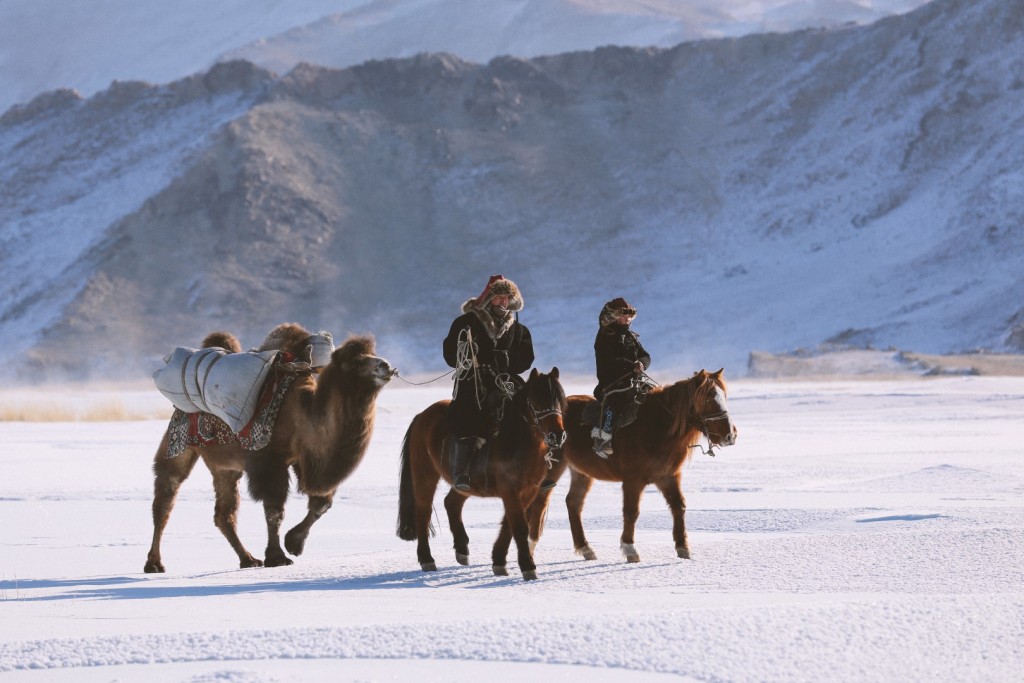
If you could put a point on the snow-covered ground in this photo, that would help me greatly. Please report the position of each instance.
(858, 531)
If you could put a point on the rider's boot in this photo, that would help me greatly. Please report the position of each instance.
(462, 459)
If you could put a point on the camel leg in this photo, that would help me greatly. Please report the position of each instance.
(631, 491)
(317, 506)
(669, 488)
(579, 486)
(453, 504)
(273, 510)
(225, 514)
(169, 475)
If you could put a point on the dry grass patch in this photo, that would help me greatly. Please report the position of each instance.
(81, 405)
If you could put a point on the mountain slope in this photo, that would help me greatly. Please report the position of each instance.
(766, 193)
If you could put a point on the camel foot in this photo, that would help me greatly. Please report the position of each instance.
(586, 552)
(277, 561)
(683, 552)
(428, 566)
(295, 542)
(153, 567)
(249, 562)
(462, 558)
(529, 575)
(499, 570)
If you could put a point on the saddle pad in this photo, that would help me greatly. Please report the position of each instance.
(189, 430)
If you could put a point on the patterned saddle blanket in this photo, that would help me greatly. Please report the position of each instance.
(189, 430)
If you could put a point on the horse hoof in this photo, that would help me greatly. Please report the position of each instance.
(462, 558)
(154, 568)
(500, 570)
(683, 552)
(249, 563)
(428, 566)
(632, 558)
(529, 575)
(586, 552)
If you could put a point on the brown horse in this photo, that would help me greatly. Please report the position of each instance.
(322, 430)
(651, 450)
(530, 429)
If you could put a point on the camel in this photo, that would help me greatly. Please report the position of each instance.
(322, 430)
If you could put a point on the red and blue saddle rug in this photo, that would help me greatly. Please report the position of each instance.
(190, 430)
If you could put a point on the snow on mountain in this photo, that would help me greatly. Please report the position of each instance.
(764, 193)
(89, 45)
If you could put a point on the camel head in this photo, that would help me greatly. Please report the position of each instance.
(355, 359)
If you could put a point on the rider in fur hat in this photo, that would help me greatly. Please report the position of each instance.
(485, 343)
(620, 358)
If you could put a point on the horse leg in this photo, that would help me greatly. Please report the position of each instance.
(295, 539)
(515, 521)
(424, 488)
(169, 475)
(453, 504)
(225, 514)
(579, 486)
(537, 512)
(499, 553)
(669, 488)
(632, 489)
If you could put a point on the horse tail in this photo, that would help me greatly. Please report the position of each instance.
(406, 528)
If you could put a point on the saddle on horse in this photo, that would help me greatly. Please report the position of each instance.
(617, 409)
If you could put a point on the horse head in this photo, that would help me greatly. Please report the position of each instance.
(356, 359)
(546, 405)
(710, 411)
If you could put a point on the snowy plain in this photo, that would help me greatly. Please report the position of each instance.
(858, 531)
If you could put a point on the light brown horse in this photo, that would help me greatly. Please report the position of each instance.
(322, 431)
(529, 431)
(651, 450)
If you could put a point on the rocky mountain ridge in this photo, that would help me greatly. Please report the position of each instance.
(764, 193)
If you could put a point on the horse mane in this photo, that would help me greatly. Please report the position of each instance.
(679, 399)
(223, 340)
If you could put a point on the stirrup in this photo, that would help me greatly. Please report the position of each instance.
(462, 482)
(602, 448)
(547, 485)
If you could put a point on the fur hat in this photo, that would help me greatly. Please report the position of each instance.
(497, 285)
(615, 309)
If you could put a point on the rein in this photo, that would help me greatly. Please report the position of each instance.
(422, 383)
(550, 440)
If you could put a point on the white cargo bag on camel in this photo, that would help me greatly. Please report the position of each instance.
(214, 381)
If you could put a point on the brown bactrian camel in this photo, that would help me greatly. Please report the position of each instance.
(321, 432)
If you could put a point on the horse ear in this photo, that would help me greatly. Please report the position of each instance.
(554, 372)
(533, 373)
(719, 373)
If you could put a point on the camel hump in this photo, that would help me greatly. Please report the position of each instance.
(223, 340)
